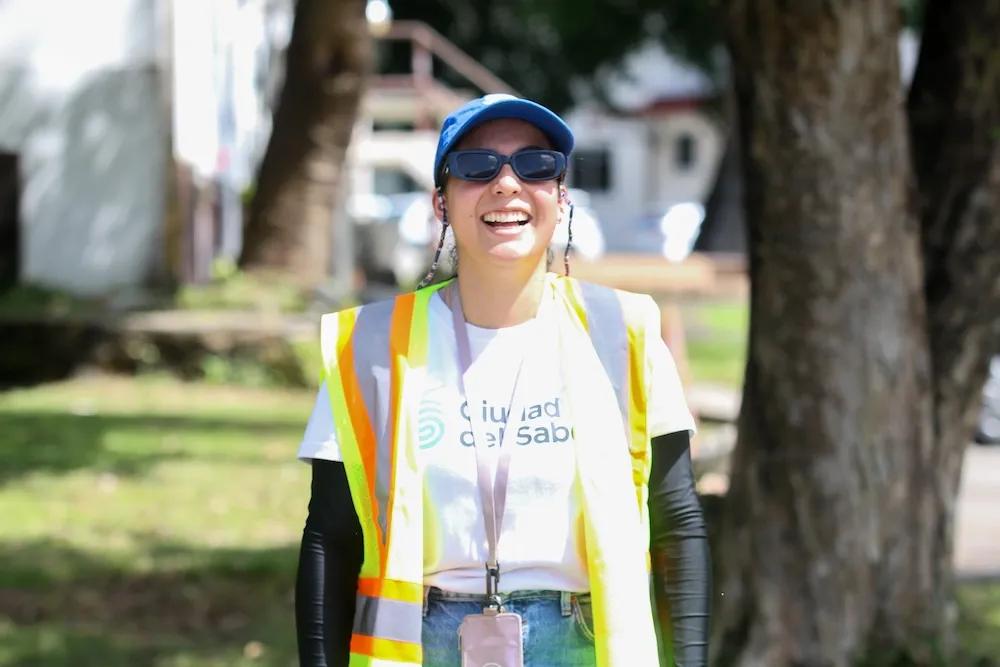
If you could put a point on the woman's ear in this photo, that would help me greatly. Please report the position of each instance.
(437, 201)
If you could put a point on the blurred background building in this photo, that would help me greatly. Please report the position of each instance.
(128, 131)
(127, 149)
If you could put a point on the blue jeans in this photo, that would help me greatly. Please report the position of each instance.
(557, 628)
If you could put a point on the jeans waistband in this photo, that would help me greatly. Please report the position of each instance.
(565, 598)
(434, 591)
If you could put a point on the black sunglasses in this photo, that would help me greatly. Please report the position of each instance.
(482, 164)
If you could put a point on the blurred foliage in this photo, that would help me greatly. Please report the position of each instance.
(913, 13)
(296, 364)
(556, 51)
(232, 289)
(245, 371)
(34, 301)
(546, 49)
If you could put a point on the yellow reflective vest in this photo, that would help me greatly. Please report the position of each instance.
(602, 336)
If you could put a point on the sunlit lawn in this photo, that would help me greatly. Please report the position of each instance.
(716, 334)
(151, 522)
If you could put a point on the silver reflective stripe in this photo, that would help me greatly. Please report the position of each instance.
(606, 323)
(371, 365)
(388, 619)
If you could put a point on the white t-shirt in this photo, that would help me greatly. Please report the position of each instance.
(541, 543)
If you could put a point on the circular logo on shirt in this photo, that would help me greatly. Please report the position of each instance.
(430, 425)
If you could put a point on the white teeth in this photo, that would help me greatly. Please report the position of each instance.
(505, 217)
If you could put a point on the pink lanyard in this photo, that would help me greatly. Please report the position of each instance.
(493, 496)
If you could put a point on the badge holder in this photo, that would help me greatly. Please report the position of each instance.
(492, 638)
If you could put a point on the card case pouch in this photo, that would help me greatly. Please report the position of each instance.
(491, 639)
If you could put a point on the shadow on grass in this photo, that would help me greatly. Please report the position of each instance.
(57, 442)
(222, 607)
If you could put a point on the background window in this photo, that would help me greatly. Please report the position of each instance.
(591, 170)
(685, 151)
(10, 190)
(394, 182)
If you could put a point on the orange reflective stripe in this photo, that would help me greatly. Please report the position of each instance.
(352, 423)
(387, 649)
(360, 420)
(399, 347)
(394, 589)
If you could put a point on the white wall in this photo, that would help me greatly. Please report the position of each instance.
(674, 183)
(81, 103)
(626, 139)
(645, 177)
(224, 53)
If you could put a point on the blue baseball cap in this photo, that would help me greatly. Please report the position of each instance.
(492, 107)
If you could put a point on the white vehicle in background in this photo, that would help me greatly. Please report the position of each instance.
(418, 234)
(671, 234)
(680, 227)
(376, 219)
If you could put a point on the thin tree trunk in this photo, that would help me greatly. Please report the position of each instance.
(954, 111)
(293, 208)
(820, 526)
(954, 108)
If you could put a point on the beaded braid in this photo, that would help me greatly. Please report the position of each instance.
(569, 227)
(569, 239)
(437, 253)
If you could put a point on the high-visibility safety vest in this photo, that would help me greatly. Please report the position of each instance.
(375, 362)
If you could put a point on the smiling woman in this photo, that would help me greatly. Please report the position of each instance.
(502, 222)
(506, 416)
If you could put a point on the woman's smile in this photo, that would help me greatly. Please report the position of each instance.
(506, 222)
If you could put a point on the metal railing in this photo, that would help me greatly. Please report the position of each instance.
(427, 44)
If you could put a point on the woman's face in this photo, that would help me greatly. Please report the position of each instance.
(504, 221)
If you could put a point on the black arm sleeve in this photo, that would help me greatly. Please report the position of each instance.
(329, 563)
(679, 548)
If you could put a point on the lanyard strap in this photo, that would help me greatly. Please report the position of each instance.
(493, 496)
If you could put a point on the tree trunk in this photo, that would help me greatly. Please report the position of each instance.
(836, 537)
(954, 109)
(293, 209)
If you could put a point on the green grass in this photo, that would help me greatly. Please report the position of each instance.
(153, 522)
(149, 522)
(979, 623)
(716, 334)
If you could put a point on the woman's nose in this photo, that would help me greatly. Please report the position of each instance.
(506, 182)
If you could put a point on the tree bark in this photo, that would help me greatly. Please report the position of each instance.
(328, 58)
(866, 357)
(954, 110)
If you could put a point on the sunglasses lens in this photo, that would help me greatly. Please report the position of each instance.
(483, 165)
(537, 165)
(472, 166)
